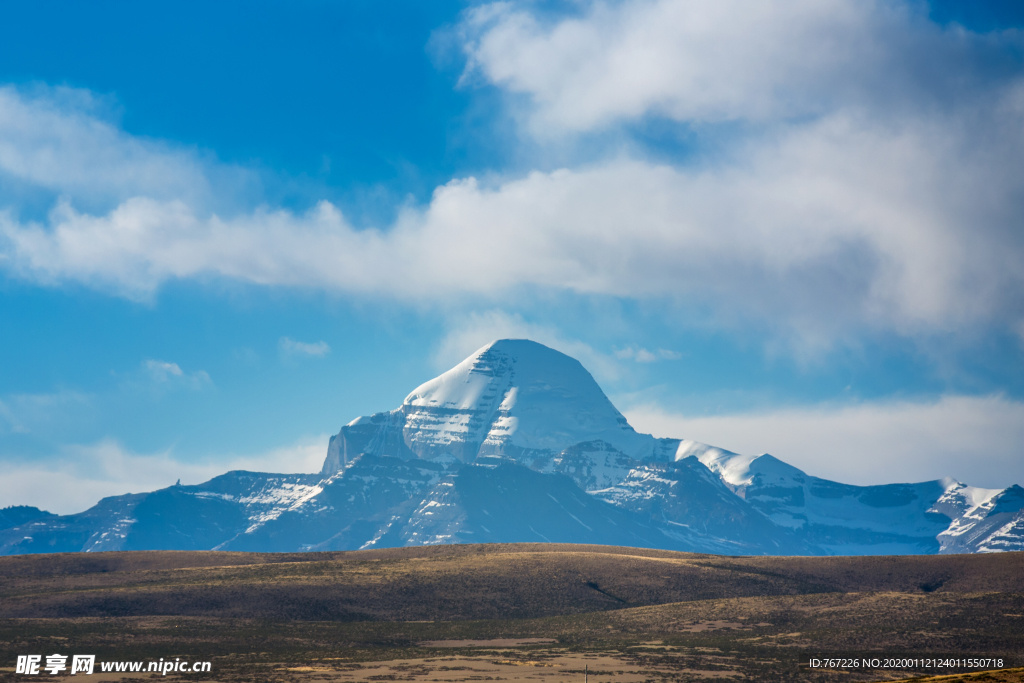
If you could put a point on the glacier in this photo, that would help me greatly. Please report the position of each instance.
(518, 443)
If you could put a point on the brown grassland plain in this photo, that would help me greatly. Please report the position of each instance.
(538, 612)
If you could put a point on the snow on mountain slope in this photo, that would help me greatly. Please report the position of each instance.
(519, 443)
(959, 498)
(839, 518)
(733, 468)
(105, 526)
(593, 465)
(175, 518)
(505, 502)
(262, 497)
(896, 518)
(540, 408)
(513, 397)
(351, 508)
(688, 501)
(994, 524)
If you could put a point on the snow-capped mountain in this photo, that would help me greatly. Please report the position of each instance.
(991, 521)
(519, 443)
(514, 398)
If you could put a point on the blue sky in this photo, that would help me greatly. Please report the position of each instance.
(227, 230)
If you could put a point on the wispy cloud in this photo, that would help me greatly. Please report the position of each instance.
(976, 439)
(167, 373)
(161, 371)
(78, 476)
(642, 355)
(30, 413)
(68, 140)
(290, 347)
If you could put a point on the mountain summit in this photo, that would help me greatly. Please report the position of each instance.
(514, 398)
(519, 443)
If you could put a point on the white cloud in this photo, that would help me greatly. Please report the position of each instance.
(164, 372)
(841, 223)
(67, 140)
(161, 371)
(32, 413)
(686, 59)
(8, 416)
(77, 478)
(642, 355)
(718, 60)
(976, 440)
(291, 347)
(818, 221)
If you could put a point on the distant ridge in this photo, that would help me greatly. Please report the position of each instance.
(517, 443)
(16, 515)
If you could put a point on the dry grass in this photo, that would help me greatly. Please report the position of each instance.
(527, 612)
(455, 582)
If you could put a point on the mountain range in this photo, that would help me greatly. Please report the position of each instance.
(518, 443)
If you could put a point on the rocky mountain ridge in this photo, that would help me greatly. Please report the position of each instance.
(518, 443)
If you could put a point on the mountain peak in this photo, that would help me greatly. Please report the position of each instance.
(518, 442)
(513, 397)
(518, 396)
(471, 383)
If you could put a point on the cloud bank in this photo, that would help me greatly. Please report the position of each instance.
(811, 229)
(875, 186)
(708, 61)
